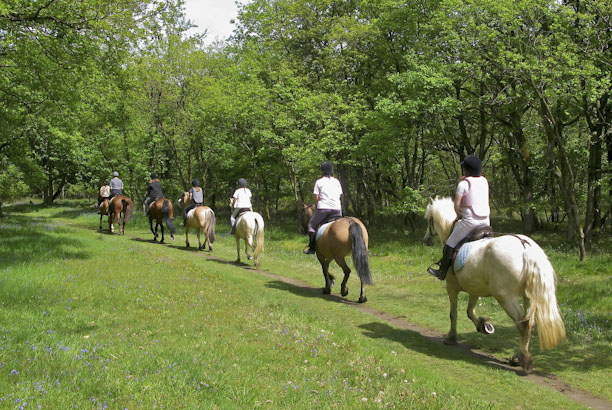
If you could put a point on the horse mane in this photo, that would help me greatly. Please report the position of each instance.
(442, 210)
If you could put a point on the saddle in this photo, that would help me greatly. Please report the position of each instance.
(328, 219)
(322, 227)
(461, 251)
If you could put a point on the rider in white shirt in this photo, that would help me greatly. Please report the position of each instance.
(241, 201)
(327, 192)
(472, 208)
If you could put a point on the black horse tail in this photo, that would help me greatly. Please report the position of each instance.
(166, 216)
(360, 253)
(128, 208)
(211, 227)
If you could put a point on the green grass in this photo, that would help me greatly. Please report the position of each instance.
(93, 320)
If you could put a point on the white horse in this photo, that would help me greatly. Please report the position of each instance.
(202, 219)
(505, 267)
(250, 227)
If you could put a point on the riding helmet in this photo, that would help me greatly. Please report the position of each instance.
(153, 175)
(115, 174)
(473, 165)
(327, 168)
(195, 182)
(242, 182)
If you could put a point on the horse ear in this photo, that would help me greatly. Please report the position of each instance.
(430, 200)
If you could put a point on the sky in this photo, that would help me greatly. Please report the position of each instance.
(214, 15)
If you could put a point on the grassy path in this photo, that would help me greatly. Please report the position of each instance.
(97, 320)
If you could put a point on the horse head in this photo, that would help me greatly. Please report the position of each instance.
(184, 198)
(440, 215)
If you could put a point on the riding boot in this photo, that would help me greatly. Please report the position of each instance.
(447, 255)
(311, 244)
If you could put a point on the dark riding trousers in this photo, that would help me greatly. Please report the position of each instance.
(320, 216)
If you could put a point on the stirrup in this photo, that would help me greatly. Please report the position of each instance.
(437, 273)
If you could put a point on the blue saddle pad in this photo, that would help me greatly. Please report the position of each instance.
(464, 251)
(322, 230)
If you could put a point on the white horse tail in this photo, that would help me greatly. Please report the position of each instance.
(211, 226)
(259, 233)
(360, 253)
(540, 289)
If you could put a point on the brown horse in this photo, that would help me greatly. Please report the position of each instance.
(120, 208)
(161, 211)
(202, 219)
(339, 239)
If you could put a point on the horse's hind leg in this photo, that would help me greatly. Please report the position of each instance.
(187, 235)
(199, 241)
(347, 272)
(154, 232)
(248, 244)
(162, 229)
(327, 276)
(482, 323)
(513, 309)
(101, 221)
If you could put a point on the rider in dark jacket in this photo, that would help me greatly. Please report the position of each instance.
(154, 191)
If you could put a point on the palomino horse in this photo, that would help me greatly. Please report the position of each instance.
(250, 227)
(120, 208)
(505, 267)
(202, 219)
(103, 208)
(161, 211)
(305, 214)
(339, 239)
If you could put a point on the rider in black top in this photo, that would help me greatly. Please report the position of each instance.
(154, 191)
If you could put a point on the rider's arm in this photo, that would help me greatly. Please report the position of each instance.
(458, 199)
(316, 199)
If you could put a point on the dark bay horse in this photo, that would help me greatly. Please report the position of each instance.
(342, 237)
(161, 211)
(120, 208)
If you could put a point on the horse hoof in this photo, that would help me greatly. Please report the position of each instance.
(326, 291)
(257, 265)
(362, 299)
(450, 341)
(172, 236)
(187, 245)
(249, 257)
(344, 292)
(210, 249)
(162, 241)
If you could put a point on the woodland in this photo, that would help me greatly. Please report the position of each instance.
(393, 92)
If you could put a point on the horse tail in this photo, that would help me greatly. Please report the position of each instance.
(211, 227)
(540, 289)
(128, 208)
(360, 253)
(167, 217)
(259, 234)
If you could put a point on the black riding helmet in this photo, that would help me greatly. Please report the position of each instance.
(327, 168)
(242, 182)
(153, 175)
(195, 182)
(473, 165)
